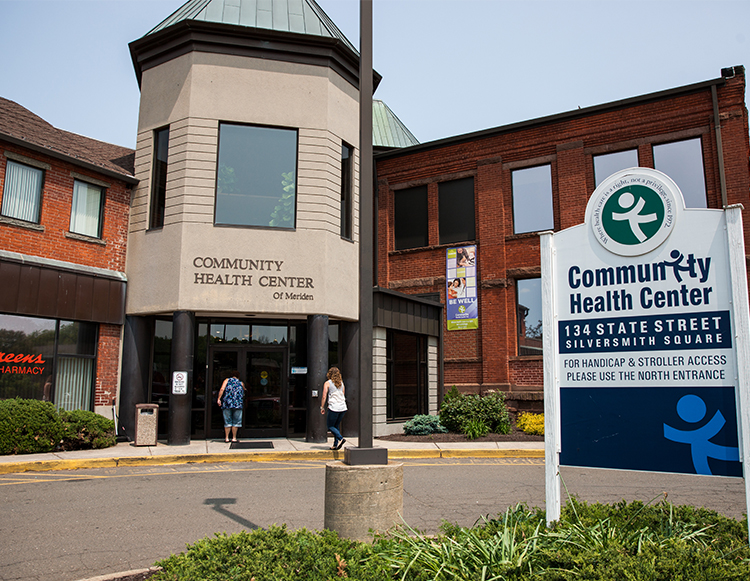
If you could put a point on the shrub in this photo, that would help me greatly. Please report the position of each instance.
(83, 430)
(531, 423)
(29, 426)
(475, 429)
(423, 425)
(274, 555)
(458, 409)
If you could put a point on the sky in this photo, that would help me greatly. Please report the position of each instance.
(449, 67)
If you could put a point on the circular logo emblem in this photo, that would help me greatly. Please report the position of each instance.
(634, 211)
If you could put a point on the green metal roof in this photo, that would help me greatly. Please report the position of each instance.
(296, 16)
(387, 129)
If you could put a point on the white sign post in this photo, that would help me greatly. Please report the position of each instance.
(646, 327)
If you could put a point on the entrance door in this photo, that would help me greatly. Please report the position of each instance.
(263, 371)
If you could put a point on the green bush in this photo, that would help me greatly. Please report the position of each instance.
(423, 425)
(29, 426)
(459, 410)
(475, 429)
(274, 555)
(83, 430)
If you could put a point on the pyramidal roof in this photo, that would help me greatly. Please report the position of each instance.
(387, 129)
(296, 16)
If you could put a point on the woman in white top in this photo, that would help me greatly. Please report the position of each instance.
(333, 389)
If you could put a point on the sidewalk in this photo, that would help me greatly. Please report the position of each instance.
(264, 450)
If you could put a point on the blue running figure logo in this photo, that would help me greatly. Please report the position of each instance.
(692, 409)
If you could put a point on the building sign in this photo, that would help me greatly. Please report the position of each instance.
(268, 275)
(646, 368)
(643, 362)
(461, 288)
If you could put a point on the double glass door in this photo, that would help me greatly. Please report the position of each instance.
(263, 371)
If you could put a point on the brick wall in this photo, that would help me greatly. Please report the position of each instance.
(486, 358)
(53, 241)
(57, 198)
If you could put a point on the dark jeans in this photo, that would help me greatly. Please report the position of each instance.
(334, 422)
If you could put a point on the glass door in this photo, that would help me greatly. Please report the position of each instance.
(263, 371)
(265, 386)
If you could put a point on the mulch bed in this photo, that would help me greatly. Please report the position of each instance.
(515, 435)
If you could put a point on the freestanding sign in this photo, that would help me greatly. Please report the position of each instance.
(643, 311)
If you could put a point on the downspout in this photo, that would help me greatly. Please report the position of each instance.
(719, 149)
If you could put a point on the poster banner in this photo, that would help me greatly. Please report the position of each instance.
(461, 291)
(645, 360)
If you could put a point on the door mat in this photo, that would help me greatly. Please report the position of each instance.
(250, 445)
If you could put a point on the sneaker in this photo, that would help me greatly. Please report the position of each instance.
(341, 443)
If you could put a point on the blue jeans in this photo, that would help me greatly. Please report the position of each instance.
(334, 422)
(232, 417)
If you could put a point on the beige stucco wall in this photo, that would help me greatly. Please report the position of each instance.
(166, 267)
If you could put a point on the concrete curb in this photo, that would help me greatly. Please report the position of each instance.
(134, 573)
(166, 460)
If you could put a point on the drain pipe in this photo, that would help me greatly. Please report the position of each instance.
(719, 150)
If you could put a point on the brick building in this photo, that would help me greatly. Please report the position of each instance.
(63, 235)
(493, 191)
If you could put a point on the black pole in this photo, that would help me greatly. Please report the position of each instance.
(180, 404)
(317, 367)
(349, 341)
(365, 223)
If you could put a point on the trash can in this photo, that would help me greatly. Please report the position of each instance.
(146, 424)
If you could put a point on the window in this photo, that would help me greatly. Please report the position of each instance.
(529, 316)
(22, 194)
(410, 218)
(256, 179)
(86, 212)
(607, 164)
(159, 177)
(347, 162)
(406, 375)
(683, 162)
(532, 200)
(456, 211)
(53, 360)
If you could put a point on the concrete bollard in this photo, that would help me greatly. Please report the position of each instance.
(363, 497)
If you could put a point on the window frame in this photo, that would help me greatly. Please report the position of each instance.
(100, 218)
(294, 130)
(515, 205)
(398, 219)
(520, 322)
(159, 177)
(597, 181)
(347, 189)
(472, 232)
(699, 140)
(30, 164)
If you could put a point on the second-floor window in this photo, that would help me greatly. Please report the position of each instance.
(159, 177)
(683, 162)
(86, 212)
(456, 210)
(257, 176)
(532, 200)
(410, 218)
(22, 194)
(347, 164)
